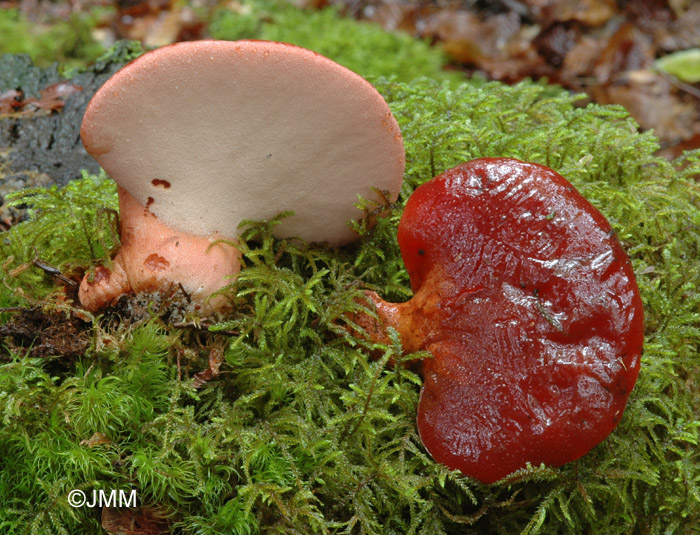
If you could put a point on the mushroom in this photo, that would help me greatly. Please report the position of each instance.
(529, 306)
(202, 135)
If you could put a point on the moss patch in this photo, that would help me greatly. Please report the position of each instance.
(360, 46)
(309, 430)
(68, 41)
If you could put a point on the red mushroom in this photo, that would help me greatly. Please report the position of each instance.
(529, 306)
(202, 135)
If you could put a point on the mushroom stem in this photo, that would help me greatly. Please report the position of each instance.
(154, 255)
(377, 328)
(415, 320)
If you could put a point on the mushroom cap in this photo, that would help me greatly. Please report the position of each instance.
(530, 308)
(207, 134)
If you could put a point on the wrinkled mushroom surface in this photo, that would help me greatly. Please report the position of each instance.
(205, 134)
(529, 306)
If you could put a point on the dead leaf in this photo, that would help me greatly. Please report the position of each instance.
(457, 30)
(158, 23)
(393, 15)
(555, 42)
(499, 44)
(133, 521)
(628, 49)
(651, 100)
(10, 101)
(679, 34)
(98, 439)
(216, 358)
(52, 98)
(675, 151)
(581, 58)
(592, 13)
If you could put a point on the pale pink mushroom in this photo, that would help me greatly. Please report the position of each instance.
(202, 135)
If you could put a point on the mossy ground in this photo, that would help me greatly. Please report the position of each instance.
(308, 429)
(68, 41)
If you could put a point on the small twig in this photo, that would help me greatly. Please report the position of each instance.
(202, 325)
(694, 91)
(347, 432)
(53, 271)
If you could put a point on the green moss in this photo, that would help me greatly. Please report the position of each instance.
(362, 47)
(310, 430)
(68, 41)
(70, 228)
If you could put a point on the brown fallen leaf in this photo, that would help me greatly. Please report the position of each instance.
(10, 101)
(679, 34)
(393, 15)
(457, 30)
(589, 12)
(498, 44)
(157, 22)
(651, 100)
(98, 439)
(599, 47)
(628, 49)
(52, 98)
(557, 41)
(216, 358)
(675, 151)
(581, 58)
(133, 521)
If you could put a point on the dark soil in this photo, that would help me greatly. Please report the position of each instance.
(44, 334)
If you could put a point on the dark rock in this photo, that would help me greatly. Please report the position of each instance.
(42, 147)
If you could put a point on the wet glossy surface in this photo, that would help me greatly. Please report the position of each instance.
(530, 307)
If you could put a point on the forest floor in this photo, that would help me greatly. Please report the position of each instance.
(641, 54)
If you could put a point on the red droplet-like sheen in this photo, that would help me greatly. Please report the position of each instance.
(157, 182)
(156, 262)
(529, 305)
